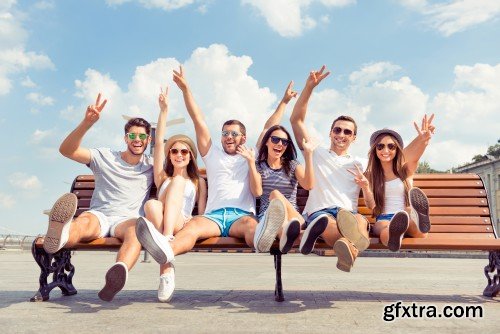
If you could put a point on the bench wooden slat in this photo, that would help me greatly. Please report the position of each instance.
(461, 229)
(447, 211)
(443, 176)
(440, 201)
(430, 184)
(454, 220)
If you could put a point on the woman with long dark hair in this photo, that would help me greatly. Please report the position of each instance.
(177, 179)
(281, 173)
(390, 172)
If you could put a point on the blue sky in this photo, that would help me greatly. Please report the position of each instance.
(391, 62)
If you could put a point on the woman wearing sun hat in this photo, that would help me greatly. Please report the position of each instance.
(390, 172)
(179, 185)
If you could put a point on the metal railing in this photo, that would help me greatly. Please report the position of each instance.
(19, 242)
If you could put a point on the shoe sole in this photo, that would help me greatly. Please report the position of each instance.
(115, 281)
(397, 228)
(60, 218)
(420, 209)
(275, 217)
(345, 260)
(292, 233)
(348, 227)
(147, 240)
(311, 234)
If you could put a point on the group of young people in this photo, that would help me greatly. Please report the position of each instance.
(236, 176)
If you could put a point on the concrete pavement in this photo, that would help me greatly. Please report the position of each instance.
(233, 293)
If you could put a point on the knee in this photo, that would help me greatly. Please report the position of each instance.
(151, 206)
(275, 194)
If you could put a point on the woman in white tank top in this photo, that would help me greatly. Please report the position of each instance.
(179, 185)
(390, 176)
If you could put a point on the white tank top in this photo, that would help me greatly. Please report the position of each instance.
(394, 196)
(189, 196)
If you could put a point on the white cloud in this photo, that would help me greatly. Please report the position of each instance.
(39, 99)
(25, 182)
(219, 81)
(166, 5)
(454, 16)
(373, 72)
(42, 5)
(13, 56)
(27, 82)
(6, 201)
(39, 135)
(289, 17)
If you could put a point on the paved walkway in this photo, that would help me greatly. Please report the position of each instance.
(233, 293)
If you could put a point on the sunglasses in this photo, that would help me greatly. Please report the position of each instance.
(276, 140)
(133, 136)
(337, 130)
(184, 151)
(226, 133)
(390, 146)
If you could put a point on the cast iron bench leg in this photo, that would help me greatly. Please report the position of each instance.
(493, 286)
(278, 290)
(56, 264)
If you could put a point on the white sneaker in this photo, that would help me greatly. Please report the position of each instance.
(267, 229)
(116, 277)
(153, 241)
(60, 219)
(167, 286)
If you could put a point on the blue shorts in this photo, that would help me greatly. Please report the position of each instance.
(332, 211)
(387, 216)
(225, 218)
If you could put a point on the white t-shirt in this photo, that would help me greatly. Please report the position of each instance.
(228, 181)
(121, 189)
(335, 186)
(394, 200)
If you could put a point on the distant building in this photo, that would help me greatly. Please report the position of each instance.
(489, 171)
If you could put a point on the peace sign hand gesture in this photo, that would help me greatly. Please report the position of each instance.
(93, 111)
(163, 99)
(315, 77)
(359, 178)
(289, 93)
(427, 129)
(179, 79)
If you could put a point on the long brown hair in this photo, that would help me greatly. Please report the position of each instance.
(288, 156)
(192, 167)
(375, 174)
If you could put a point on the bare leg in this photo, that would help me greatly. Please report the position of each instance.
(154, 213)
(413, 230)
(173, 206)
(85, 228)
(331, 233)
(198, 228)
(131, 248)
(290, 211)
(381, 230)
(244, 228)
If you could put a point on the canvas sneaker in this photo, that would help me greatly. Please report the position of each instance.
(349, 228)
(116, 277)
(397, 228)
(167, 286)
(312, 233)
(268, 228)
(60, 218)
(153, 241)
(290, 233)
(419, 209)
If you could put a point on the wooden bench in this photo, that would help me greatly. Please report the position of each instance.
(459, 214)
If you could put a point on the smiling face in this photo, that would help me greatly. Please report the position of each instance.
(137, 146)
(179, 155)
(275, 151)
(386, 149)
(342, 135)
(233, 139)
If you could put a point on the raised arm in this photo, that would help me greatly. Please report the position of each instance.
(202, 134)
(70, 147)
(305, 176)
(276, 117)
(416, 148)
(159, 156)
(299, 110)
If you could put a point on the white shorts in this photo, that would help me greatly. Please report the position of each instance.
(108, 223)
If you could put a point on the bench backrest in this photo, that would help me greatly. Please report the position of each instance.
(458, 204)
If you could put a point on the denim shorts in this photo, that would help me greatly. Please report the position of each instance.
(387, 216)
(225, 218)
(332, 211)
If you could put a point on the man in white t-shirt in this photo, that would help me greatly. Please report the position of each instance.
(233, 184)
(122, 184)
(331, 208)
